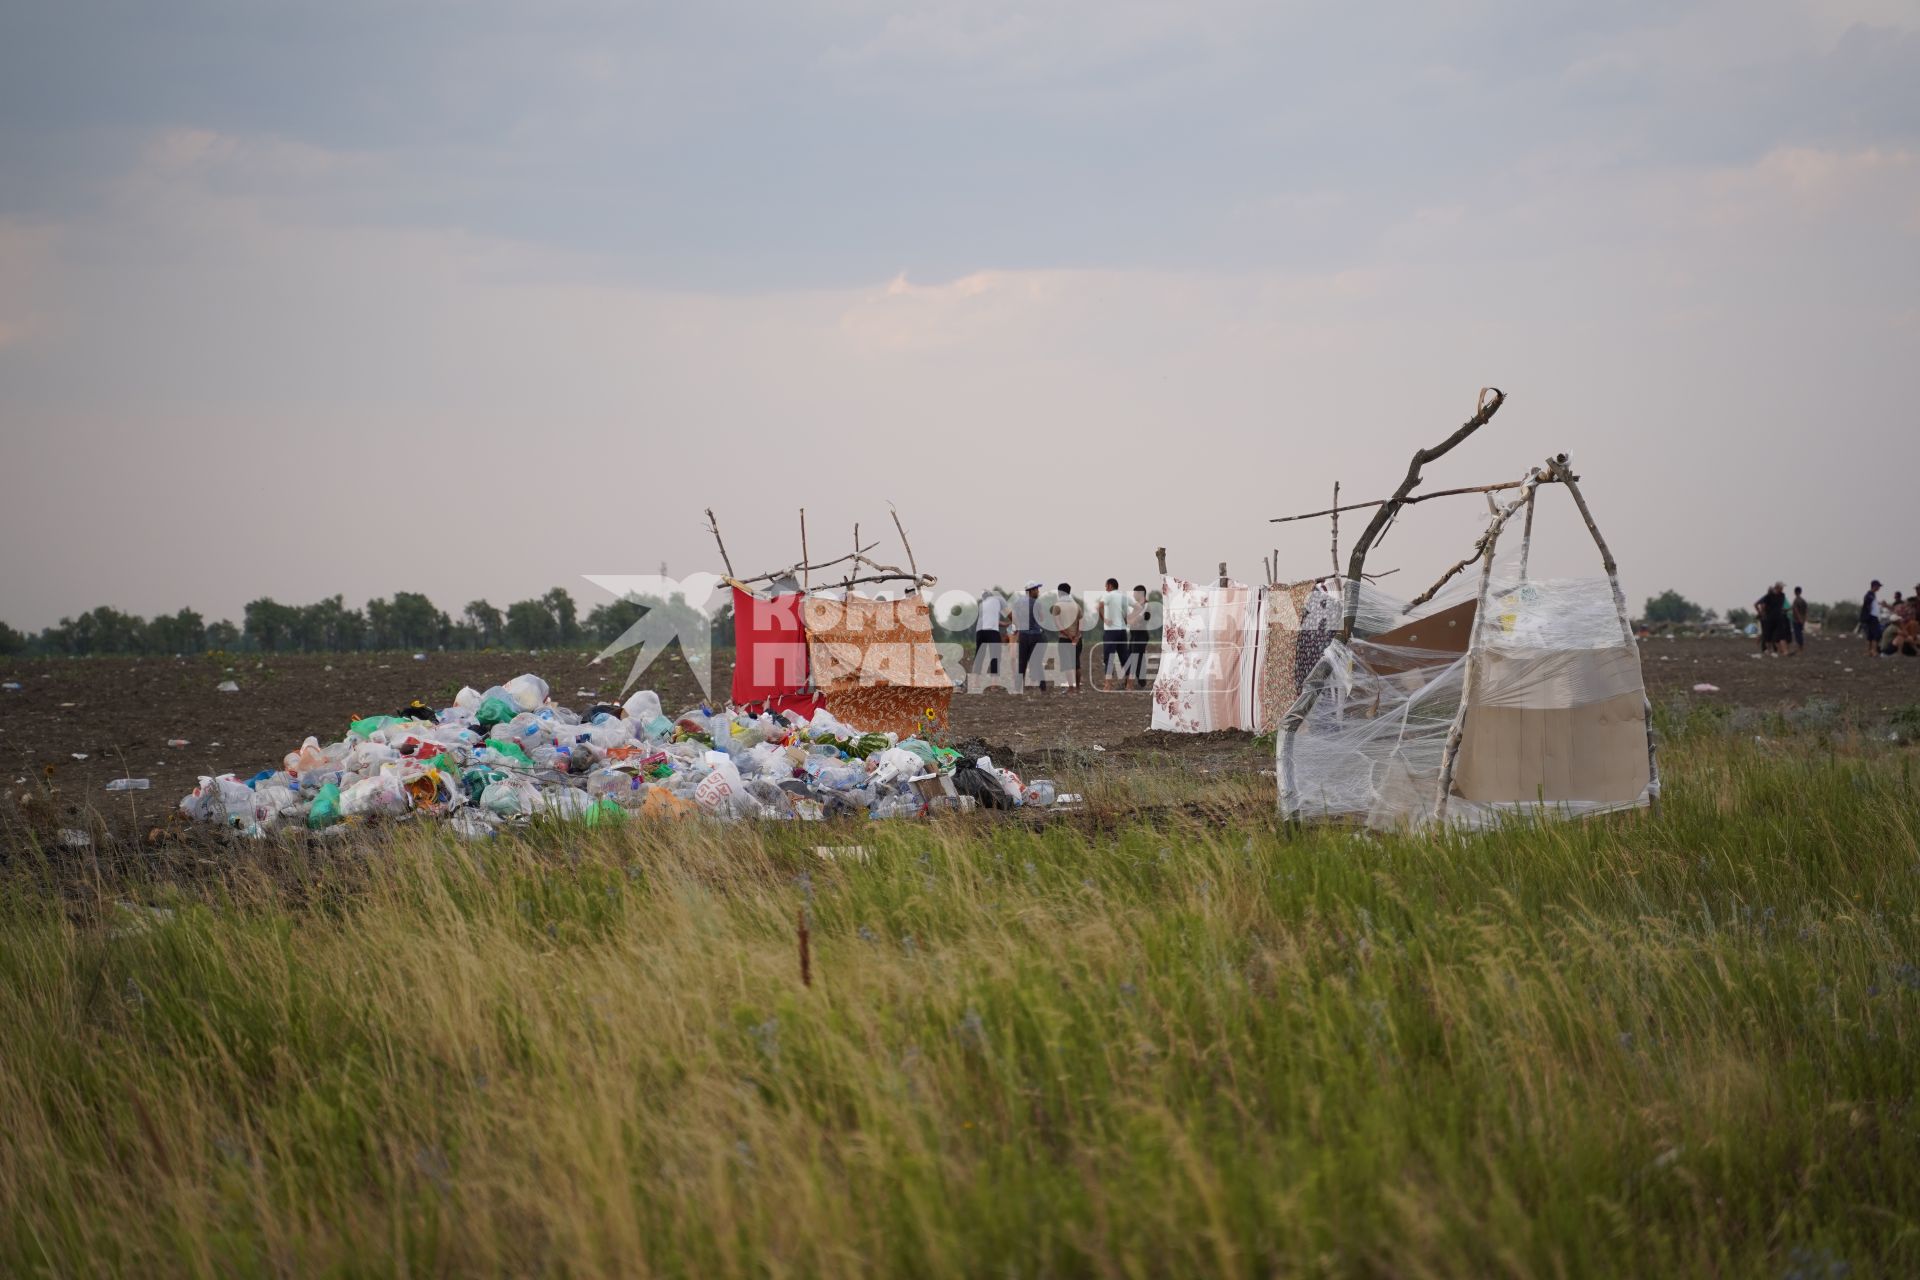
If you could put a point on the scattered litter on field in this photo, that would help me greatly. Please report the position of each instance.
(1704, 687)
(227, 686)
(837, 852)
(136, 918)
(11, 686)
(508, 755)
(75, 839)
(128, 784)
(178, 742)
(78, 755)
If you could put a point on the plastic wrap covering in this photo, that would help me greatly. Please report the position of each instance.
(1556, 716)
(1381, 611)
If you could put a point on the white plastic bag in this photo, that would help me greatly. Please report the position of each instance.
(382, 794)
(528, 692)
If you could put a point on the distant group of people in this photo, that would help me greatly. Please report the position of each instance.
(1890, 627)
(1050, 637)
(1783, 622)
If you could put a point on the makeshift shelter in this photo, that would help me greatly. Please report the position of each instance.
(1507, 696)
(868, 661)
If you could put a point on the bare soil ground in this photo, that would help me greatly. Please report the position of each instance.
(122, 713)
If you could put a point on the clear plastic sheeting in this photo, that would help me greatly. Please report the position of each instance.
(1555, 723)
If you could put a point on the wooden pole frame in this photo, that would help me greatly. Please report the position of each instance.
(855, 560)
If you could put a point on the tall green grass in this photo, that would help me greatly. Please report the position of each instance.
(1139, 1044)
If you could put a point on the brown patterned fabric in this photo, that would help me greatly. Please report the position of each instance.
(875, 663)
(1279, 678)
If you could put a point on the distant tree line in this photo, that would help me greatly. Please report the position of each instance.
(1672, 609)
(407, 621)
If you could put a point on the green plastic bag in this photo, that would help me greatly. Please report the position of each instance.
(921, 748)
(495, 711)
(604, 812)
(475, 779)
(367, 727)
(326, 807)
(512, 751)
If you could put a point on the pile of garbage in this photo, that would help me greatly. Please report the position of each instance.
(508, 755)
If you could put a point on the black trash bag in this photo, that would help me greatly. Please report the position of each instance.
(971, 780)
(416, 710)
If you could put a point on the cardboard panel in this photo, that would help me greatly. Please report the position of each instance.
(1445, 632)
(1435, 641)
(1595, 753)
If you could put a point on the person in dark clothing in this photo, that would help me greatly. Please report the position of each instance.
(1774, 631)
(1138, 634)
(1031, 620)
(1870, 618)
(1069, 627)
(1798, 612)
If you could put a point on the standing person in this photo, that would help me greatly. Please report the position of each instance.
(988, 650)
(1137, 637)
(1799, 614)
(1774, 630)
(1113, 635)
(1067, 626)
(1870, 618)
(1031, 621)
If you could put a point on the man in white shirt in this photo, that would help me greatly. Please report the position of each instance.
(988, 636)
(1113, 636)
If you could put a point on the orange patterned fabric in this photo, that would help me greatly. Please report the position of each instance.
(875, 663)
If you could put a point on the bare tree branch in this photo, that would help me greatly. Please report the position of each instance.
(1357, 562)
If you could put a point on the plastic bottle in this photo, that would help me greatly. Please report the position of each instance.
(897, 804)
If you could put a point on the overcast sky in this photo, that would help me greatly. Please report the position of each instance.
(477, 298)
